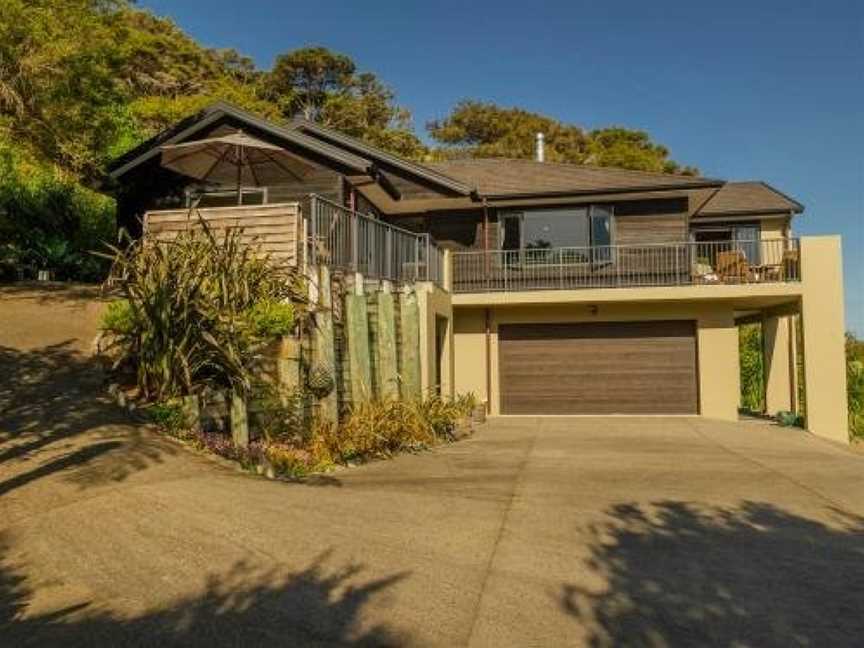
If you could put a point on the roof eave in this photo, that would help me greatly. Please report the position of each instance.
(604, 190)
(747, 212)
(218, 110)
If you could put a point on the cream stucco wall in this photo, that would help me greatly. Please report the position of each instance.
(774, 228)
(778, 358)
(717, 342)
(434, 303)
(823, 325)
(818, 297)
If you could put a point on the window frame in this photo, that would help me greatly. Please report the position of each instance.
(191, 194)
(519, 215)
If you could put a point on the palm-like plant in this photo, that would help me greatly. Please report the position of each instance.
(190, 302)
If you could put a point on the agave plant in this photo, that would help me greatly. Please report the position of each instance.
(191, 302)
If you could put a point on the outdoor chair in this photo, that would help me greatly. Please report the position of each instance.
(733, 267)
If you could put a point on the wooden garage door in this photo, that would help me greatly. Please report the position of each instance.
(598, 368)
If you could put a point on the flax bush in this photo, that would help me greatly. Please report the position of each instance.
(197, 311)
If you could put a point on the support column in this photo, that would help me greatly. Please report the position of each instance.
(323, 351)
(239, 420)
(719, 376)
(385, 348)
(409, 350)
(823, 325)
(357, 329)
(777, 363)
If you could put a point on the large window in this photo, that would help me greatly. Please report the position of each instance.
(583, 232)
(744, 237)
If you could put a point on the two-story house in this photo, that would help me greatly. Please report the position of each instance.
(558, 289)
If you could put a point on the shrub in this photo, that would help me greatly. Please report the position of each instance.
(855, 385)
(169, 416)
(191, 302)
(279, 414)
(50, 220)
(119, 318)
(382, 428)
(752, 378)
(270, 319)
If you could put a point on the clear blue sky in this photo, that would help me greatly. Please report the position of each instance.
(744, 90)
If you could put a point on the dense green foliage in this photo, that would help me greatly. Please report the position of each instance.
(478, 129)
(48, 221)
(855, 385)
(753, 381)
(193, 313)
(752, 371)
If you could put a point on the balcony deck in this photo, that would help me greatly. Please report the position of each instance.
(318, 230)
(627, 266)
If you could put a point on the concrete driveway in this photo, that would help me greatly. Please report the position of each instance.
(535, 532)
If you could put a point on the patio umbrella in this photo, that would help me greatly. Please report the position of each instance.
(235, 158)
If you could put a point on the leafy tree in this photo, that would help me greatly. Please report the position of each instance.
(323, 86)
(631, 149)
(302, 80)
(57, 89)
(480, 129)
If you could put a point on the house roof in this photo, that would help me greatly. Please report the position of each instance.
(748, 198)
(323, 141)
(507, 178)
(212, 114)
(466, 181)
(361, 148)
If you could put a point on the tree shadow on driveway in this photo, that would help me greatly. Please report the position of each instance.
(685, 574)
(55, 417)
(317, 605)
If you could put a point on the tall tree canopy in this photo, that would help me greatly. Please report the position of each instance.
(324, 86)
(478, 129)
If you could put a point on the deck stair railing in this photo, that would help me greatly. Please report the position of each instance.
(352, 241)
(626, 266)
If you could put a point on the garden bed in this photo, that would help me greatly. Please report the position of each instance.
(296, 449)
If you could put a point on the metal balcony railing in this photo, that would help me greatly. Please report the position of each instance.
(627, 266)
(348, 240)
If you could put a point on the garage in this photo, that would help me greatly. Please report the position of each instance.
(598, 368)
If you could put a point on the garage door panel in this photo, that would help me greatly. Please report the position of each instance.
(598, 368)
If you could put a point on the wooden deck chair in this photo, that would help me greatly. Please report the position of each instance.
(732, 267)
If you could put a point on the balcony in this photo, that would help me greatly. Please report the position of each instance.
(355, 242)
(314, 231)
(627, 266)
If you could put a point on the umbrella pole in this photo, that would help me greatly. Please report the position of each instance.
(240, 175)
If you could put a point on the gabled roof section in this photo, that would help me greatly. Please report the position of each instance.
(219, 110)
(424, 171)
(748, 198)
(508, 178)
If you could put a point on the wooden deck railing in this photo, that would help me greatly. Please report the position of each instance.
(627, 266)
(336, 236)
